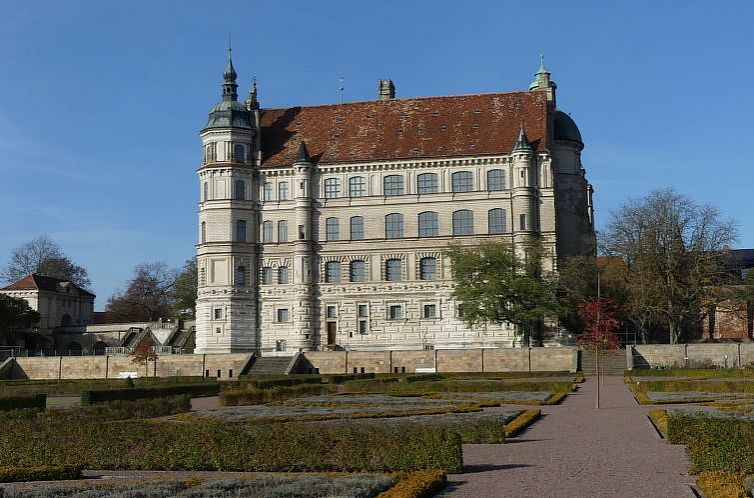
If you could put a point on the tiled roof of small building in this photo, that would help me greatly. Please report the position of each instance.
(429, 127)
(42, 282)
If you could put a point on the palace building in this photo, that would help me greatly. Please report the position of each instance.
(324, 227)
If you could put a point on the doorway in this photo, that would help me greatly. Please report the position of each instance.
(332, 329)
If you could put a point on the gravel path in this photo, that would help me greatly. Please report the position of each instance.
(578, 451)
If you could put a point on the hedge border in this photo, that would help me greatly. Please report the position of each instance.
(421, 484)
(36, 401)
(40, 473)
(130, 394)
(518, 424)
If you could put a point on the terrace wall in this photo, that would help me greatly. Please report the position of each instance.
(732, 355)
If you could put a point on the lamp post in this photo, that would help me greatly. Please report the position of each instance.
(597, 346)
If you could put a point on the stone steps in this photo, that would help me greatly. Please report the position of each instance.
(271, 365)
(609, 365)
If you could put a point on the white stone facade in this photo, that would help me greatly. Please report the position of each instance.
(349, 254)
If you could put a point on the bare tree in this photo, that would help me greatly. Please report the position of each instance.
(672, 249)
(44, 256)
(148, 296)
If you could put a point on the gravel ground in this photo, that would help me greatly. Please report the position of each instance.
(681, 395)
(577, 451)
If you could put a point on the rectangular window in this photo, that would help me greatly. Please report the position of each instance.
(218, 313)
(282, 231)
(496, 179)
(393, 185)
(393, 270)
(363, 326)
(395, 312)
(496, 221)
(358, 271)
(357, 228)
(429, 311)
(283, 315)
(426, 183)
(267, 191)
(357, 186)
(283, 275)
(332, 312)
(267, 231)
(428, 224)
(522, 221)
(332, 229)
(463, 222)
(363, 310)
(427, 269)
(332, 188)
(283, 194)
(394, 226)
(240, 230)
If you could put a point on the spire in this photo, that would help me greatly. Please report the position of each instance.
(229, 79)
(542, 68)
(251, 99)
(303, 154)
(542, 76)
(522, 144)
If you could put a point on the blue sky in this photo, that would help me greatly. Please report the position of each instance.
(101, 101)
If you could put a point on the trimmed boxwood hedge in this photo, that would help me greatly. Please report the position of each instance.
(130, 394)
(40, 473)
(218, 445)
(37, 401)
(261, 396)
(281, 382)
(421, 484)
(714, 443)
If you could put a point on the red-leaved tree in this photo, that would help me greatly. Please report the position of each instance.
(599, 316)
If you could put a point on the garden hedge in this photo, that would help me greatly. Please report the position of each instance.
(421, 484)
(261, 396)
(281, 382)
(40, 473)
(77, 386)
(130, 394)
(219, 445)
(36, 401)
(714, 443)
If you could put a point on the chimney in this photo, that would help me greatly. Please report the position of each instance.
(386, 90)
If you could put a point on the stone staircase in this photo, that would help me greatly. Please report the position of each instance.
(270, 365)
(609, 365)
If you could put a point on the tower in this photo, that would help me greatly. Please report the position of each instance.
(227, 298)
(524, 195)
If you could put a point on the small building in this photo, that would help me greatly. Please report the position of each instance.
(733, 319)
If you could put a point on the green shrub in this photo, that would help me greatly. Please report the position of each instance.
(421, 484)
(40, 473)
(76, 386)
(342, 378)
(197, 389)
(281, 382)
(261, 396)
(123, 409)
(518, 424)
(37, 401)
(714, 443)
(217, 445)
(722, 484)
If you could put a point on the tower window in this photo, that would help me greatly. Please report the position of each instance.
(522, 221)
(496, 221)
(394, 226)
(205, 193)
(463, 181)
(392, 185)
(267, 275)
(428, 269)
(282, 231)
(204, 232)
(332, 188)
(283, 275)
(241, 275)
(282, 316)
(283, 194)
(267, 231)
(357, 186)
(428, 225)
(240, 190)
(393, 269)
(463, 222)
(496, 179)
(240, 230)
(218, 313)
(239, 153)
(332, 229)
(357, 228)
(358, 271)
(426, 183)
(332, 272)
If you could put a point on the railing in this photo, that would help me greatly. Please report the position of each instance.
(117, 350)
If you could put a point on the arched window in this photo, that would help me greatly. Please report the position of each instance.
(204, 232)
(496, 221)
(267, 231)
(393, 226)
(428, 226)
(240, 230)
(426, 183)
(239, 153)
(393, 269)
(283, 275)
(99, 348)
(205, 191)
(240, 190)
(495, 179)
(463, 222)
(357, 228)
(358, 271)
(332, 188)
(357, 186)
(282, 231)
(332, 272)
(332, 229)
(241, 275)
(283, 193)
(462, 181)
(428, 269)
(267, 275)
(392, 185)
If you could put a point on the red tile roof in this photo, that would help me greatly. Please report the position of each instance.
(431, 127)
(41, 282)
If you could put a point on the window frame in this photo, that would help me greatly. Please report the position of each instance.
(390, 270)
(283, 280)
(283, 191)
(429, 226)
(333, 272)
(496, 179)
(268, 233)
(500, 226)
(462, 181)
(363, 270)
(359, 225)
(394, 226)
(357, 185)
(332, 229)
(463, 226)
(240, 234)
(331, 188)
(422, 274)
(427, 183)
(393, 185)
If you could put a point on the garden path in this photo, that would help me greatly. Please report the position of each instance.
(578, 451)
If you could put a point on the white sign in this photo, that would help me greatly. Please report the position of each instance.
(426, 370)
(127, 375)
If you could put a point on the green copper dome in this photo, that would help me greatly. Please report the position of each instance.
(564, 128)
(229, 113)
